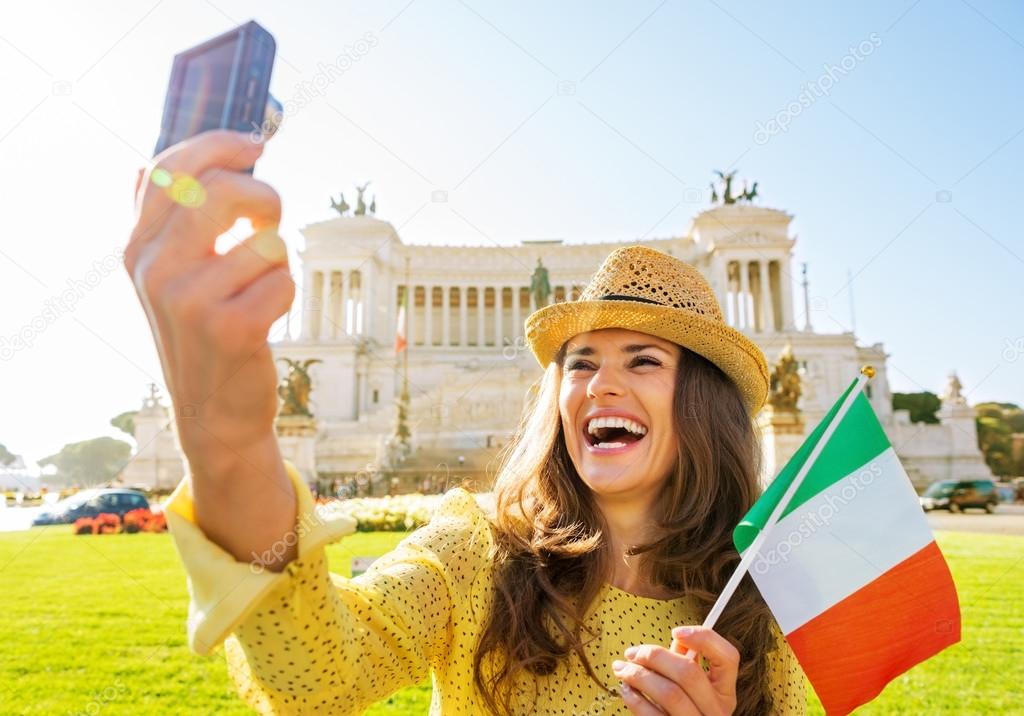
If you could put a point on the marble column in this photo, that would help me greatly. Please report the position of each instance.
(734, 296)
(344, 326)
(765, 298)
(786, 295)
(332, 303)
(720, 273)
(517, 322)
(309, 316)
(325, 305)
(428, 308)
(499, 307)
(744, 295)
(463, 315)
(445, 320)
(410, 312)
(369, 305)
(480, 295)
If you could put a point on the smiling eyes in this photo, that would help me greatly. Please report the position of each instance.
(639, 360)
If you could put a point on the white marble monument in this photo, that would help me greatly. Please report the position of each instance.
(469, 368)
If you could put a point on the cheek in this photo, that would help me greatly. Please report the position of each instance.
(568, 404)
(660, 409)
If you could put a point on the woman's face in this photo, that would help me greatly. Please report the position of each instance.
(618, 372)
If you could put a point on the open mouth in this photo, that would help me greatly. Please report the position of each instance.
(613, 433)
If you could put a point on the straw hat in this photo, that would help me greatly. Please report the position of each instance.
(646, 290)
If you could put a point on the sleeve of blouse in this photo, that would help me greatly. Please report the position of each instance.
(788, 683)
(304, 640)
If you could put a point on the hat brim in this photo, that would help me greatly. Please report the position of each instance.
(739, 358)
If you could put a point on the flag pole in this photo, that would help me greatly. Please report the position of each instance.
(866, 373)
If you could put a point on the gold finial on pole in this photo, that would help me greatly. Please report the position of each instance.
(868, 370)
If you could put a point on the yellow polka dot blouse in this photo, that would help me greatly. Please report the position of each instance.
(305, 641)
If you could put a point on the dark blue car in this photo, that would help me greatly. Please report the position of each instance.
(89, 503)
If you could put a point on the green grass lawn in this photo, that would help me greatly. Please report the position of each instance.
(97, 625)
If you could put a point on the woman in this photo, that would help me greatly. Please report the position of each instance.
(615, 501)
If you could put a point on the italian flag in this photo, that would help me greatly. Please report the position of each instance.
(850, 570)
(400, 342)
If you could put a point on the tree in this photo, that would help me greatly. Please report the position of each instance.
(90, 462)
(125, 422)
(6, 456)
(922, 406)
(997, 422)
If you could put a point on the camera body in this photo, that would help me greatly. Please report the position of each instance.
(223, 83)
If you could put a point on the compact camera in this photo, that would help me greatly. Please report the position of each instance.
(222, 83)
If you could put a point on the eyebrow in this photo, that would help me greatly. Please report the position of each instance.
(631, 348)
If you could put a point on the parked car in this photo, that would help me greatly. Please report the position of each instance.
(89, 503)
(1007, 492)
(957, 495)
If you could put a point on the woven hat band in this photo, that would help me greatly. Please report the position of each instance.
(623, 297)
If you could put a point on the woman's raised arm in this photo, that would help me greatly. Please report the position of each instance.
(210, 315)
(298, 638)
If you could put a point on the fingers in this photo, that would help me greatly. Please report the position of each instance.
(190, 234)
(659, 689)
(261, 303)
(171, 178)
(226, 196)
(637, 704)
(138, 183)
(723, 657)
(234, 299)
(226, 276)
(683, 673)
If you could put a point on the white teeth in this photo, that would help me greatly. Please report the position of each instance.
(610, 445)
(615, 421)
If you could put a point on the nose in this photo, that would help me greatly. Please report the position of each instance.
(605, 381)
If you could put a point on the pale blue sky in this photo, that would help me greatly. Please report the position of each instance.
(905, 175)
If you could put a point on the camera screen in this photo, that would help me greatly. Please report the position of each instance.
(204, 92)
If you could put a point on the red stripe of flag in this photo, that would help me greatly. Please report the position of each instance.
(855, 647)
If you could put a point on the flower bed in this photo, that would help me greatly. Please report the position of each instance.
(398, 513)
(140, 520)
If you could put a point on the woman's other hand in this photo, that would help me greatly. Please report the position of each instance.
(657, 680)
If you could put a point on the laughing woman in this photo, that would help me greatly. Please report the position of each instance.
(581, 593)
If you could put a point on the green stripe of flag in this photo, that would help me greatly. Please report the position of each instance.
(857, 440)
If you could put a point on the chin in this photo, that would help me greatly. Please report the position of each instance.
(609, 480)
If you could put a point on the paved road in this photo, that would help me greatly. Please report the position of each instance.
(1007, 520)
(17, 518)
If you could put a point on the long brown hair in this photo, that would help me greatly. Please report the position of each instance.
(552, 555)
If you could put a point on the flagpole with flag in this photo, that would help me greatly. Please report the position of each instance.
(401, 430)
(843, 555)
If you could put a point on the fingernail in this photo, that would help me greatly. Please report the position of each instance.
(618, 665)
(631, 652)
(267, 243)
(682, 632)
